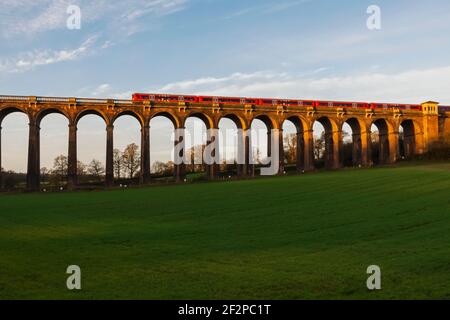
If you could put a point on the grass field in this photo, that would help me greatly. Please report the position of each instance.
(296, 237)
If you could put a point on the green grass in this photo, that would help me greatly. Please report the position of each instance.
(297, 237)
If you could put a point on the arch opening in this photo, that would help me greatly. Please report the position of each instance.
(228, 146)
(14, 132)
(49, 112)
(90, 112)
(162, 131)
(352, 143)
(407, 140)
(127, 115)
(293, 144)
(208, 123)
(91, 149)
(323, 143)
(380, 142)
(196, 127)
(260, 146)
(53, 143)
(127, 149)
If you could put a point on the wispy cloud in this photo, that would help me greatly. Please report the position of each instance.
(20, 17)
(30, 60)
(30, 17)
(158, 7)
(266, 8)
(102, 90)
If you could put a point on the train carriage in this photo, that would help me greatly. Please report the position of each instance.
(171, 98)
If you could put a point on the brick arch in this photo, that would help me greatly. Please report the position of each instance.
(328, 123)
(357, 125)
(87, 112)
(412, 143)
(299, 122)
(383, 125)
(131, 113)
(45, 112)
(11, 109)
(386, 143)
(168, 115)
(4, 112)
(417, 126)
(240, 122)
(273, 136)
(333, 141)
(269, 121)
(207, 120)
(301, 125)
(359, 142)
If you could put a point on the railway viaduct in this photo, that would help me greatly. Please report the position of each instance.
(421, 129)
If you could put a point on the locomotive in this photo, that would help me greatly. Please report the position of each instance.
(172, 98)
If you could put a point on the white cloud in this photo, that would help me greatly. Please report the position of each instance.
(413, 86)
(105, 90)
(101, 90)
(30, 60)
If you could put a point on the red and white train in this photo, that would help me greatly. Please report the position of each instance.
(172, 98)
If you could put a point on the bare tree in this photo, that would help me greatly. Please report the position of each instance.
(81, 169)
(195, 155)
(117, 162)
(96, 169)
(60, 165)
(162, 168)
(44, 173)
(290, 147)
(131, 159)
(158, 167)
(319, 147)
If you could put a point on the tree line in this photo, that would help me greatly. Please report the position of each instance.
(126, 165)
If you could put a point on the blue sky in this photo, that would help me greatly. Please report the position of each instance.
(319, 49)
